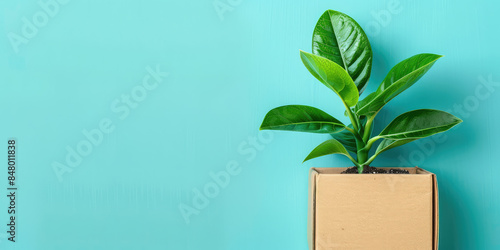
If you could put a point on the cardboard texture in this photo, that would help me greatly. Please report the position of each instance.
(372, 211)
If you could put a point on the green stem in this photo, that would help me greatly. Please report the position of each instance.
(358, 138)
(371, 159)
(354, 132)
(370, 142)
(363, 150)
(368, 128)
(354, 121)
(362, 154)
(353, 161)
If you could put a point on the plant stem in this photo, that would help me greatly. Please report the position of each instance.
(360, 169)
(353, 161)
(363, 150)
(362, 157)
(354, 121)
(354, 132)
(363, 161)
(368, 128)
(370, 142)
(371, 159)
(362, 153)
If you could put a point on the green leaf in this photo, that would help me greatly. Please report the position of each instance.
(418, 124)
(301, 118)
(340, 39)
(329, 147)
(333, 76)
(347, 138)
(401, 77)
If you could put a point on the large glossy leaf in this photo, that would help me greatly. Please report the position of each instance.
(401, 77)
(340, 39)
(347, 138)
(329, 147)
(333, 76)
(418, 124)
(301, 118)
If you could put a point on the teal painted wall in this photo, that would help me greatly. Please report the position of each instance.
(171, 95)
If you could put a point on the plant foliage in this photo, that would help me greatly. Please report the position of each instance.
(342, 61)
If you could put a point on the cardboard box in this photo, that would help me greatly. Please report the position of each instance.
(372, 211)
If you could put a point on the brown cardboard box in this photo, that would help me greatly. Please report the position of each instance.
(372, 211)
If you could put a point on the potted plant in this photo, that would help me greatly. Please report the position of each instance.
(395, 209)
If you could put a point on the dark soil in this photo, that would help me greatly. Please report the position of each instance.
(373, 170)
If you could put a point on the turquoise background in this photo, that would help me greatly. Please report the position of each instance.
(225, 71)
